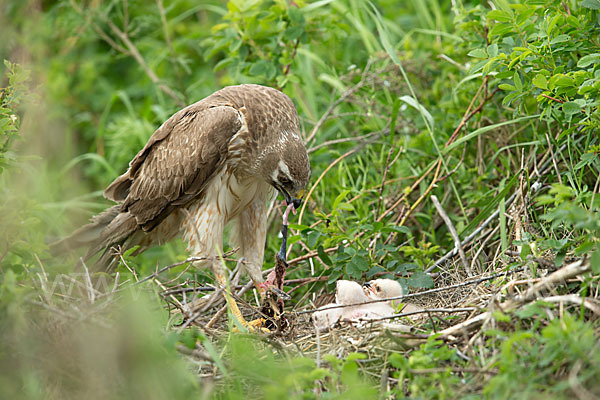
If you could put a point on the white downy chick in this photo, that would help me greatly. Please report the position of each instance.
(386, 288)
(350, 294)
(346, 293)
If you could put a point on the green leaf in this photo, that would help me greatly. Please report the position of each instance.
(500, 316)
(500, 29)
(415, 104)
(419, 280)
(584, 247)
(485, 129)
(361, 263)
(312, 237)
(352, 271)
(507, 87)
(263, 67)
(560, 39)
(517, 80)
(570, 108)
(338, 199)
(561, 80)
(478, 53)
(324, 256)
(540, 81)
(593, 4)
(588, 60)
(499, 15)
(595, 261)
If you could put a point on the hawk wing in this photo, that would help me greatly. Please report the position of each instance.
(176, 164)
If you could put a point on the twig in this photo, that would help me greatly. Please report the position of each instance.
(135, 53)
(320, 178)
(130, 50)
(163, 19)
(581, 392)
(88, 280)
(421, 371)
(452, 230)
(187, 260)
(554, 159)
(575, 299)
(552, 98)
(425, 311)
(196, 353)
(577, 268)
(348, 139)
(340, 99)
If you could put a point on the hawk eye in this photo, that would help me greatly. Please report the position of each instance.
(284, 181)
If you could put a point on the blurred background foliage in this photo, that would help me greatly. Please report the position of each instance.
(386, 91)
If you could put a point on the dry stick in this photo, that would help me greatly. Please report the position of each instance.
(489, 237)
(187, 260)
(554, 160)
(135, 53)
(320, 178)
(349, 139)
(88, 280)
(577, 268)
(469, 238)
(408, 192)
(535, 187)
(199, 354)
(422, 371)
(424, 311)
(436, 175)
(435, 165)
(575, 384)
(163, 19)
(131, 50)
(452, 229)
(333, 105)
(573, 298)
(467, 115)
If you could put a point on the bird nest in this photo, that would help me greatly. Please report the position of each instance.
(456, 310)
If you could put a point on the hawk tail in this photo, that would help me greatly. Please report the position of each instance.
(106, 230)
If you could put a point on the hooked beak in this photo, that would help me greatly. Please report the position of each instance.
(296, 201)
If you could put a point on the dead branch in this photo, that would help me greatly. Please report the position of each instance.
(556, 278)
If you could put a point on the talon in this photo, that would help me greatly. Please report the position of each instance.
(257, 325)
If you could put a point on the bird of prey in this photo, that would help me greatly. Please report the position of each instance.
(215, 162)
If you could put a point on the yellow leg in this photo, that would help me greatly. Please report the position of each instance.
(251, 326)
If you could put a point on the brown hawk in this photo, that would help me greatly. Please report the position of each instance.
(214, 162)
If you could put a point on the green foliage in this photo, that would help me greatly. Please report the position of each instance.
(384, 86)
(10, 99)
(536, 365)
(259, 39)
(436, 385)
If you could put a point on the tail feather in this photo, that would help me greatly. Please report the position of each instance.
(108, 229)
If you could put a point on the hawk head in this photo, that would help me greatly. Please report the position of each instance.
(288, 170)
